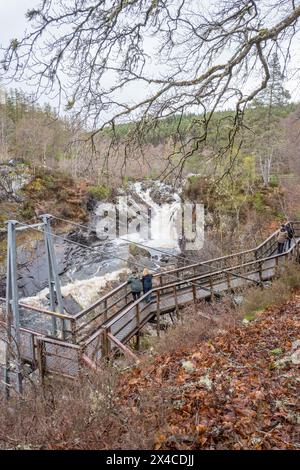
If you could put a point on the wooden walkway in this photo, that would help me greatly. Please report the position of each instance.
(108, 324)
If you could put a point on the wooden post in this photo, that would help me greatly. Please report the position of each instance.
(211, 288)
(105, 345)
(105, 310)
(41, 359)
(138, 322)
(125, 349)
(286, 260)
(73, 330)
(158, 314)
(260, 272)
(228, 280)
(276, 266)
(194, 294)
(176, 302)
(86, 360)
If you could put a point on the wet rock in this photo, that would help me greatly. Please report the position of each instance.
(290, 359)
(238, 299)
(84, 238)
(12, 180)
(2, 287)
(137, 251)
(161, 195)
(91, 203)
(296, 344)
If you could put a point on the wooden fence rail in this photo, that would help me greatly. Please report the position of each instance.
(108, 324)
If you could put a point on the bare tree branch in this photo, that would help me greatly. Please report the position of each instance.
(141, 61)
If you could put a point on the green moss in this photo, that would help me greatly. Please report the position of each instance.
(276, 351)
(99, 192)
(49, 182)
(36, 185)
(274, 182)
(250, 316)
(259, 203)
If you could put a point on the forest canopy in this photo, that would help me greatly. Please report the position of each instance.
(142, 61)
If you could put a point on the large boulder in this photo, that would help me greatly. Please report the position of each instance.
(138, 252)
(162, 195)
(12, 179)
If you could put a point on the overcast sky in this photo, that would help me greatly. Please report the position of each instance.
(13, 24)
(12, 18)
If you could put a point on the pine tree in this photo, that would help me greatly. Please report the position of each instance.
(274, 94)
(270, 103)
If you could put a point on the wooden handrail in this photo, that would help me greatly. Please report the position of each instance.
(119, 315)
(88, 362)
(123, 310)
(46, 312)
(172, 271)
(163, 292)
(127, 351)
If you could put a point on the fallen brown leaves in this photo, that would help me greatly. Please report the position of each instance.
(238, 390)
(235, 388)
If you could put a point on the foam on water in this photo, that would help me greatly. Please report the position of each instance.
(163, 236)
(85, 291)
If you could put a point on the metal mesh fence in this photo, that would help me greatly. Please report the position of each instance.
(27, 346)
(94, 348)
(61, 358)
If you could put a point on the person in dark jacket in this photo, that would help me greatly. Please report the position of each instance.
(281, 238)
(147, 283)
(136, 285)
(290, 234)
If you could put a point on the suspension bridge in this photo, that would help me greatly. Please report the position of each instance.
(65, 343)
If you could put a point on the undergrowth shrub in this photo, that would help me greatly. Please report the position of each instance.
(100, 192)
(100, 410)
(196, 325)
(85, 414)
(279, 291)
(73, 415)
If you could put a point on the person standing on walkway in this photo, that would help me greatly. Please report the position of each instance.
(281, 238)
(147, 283)
(136, 285)
(290, 234)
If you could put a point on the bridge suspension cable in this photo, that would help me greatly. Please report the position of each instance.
(89, 248)
(205, 265)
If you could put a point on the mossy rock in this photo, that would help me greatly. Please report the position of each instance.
(250, 317)
(135, 251)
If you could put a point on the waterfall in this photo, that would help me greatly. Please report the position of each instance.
(164, 218)
(91, 273)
